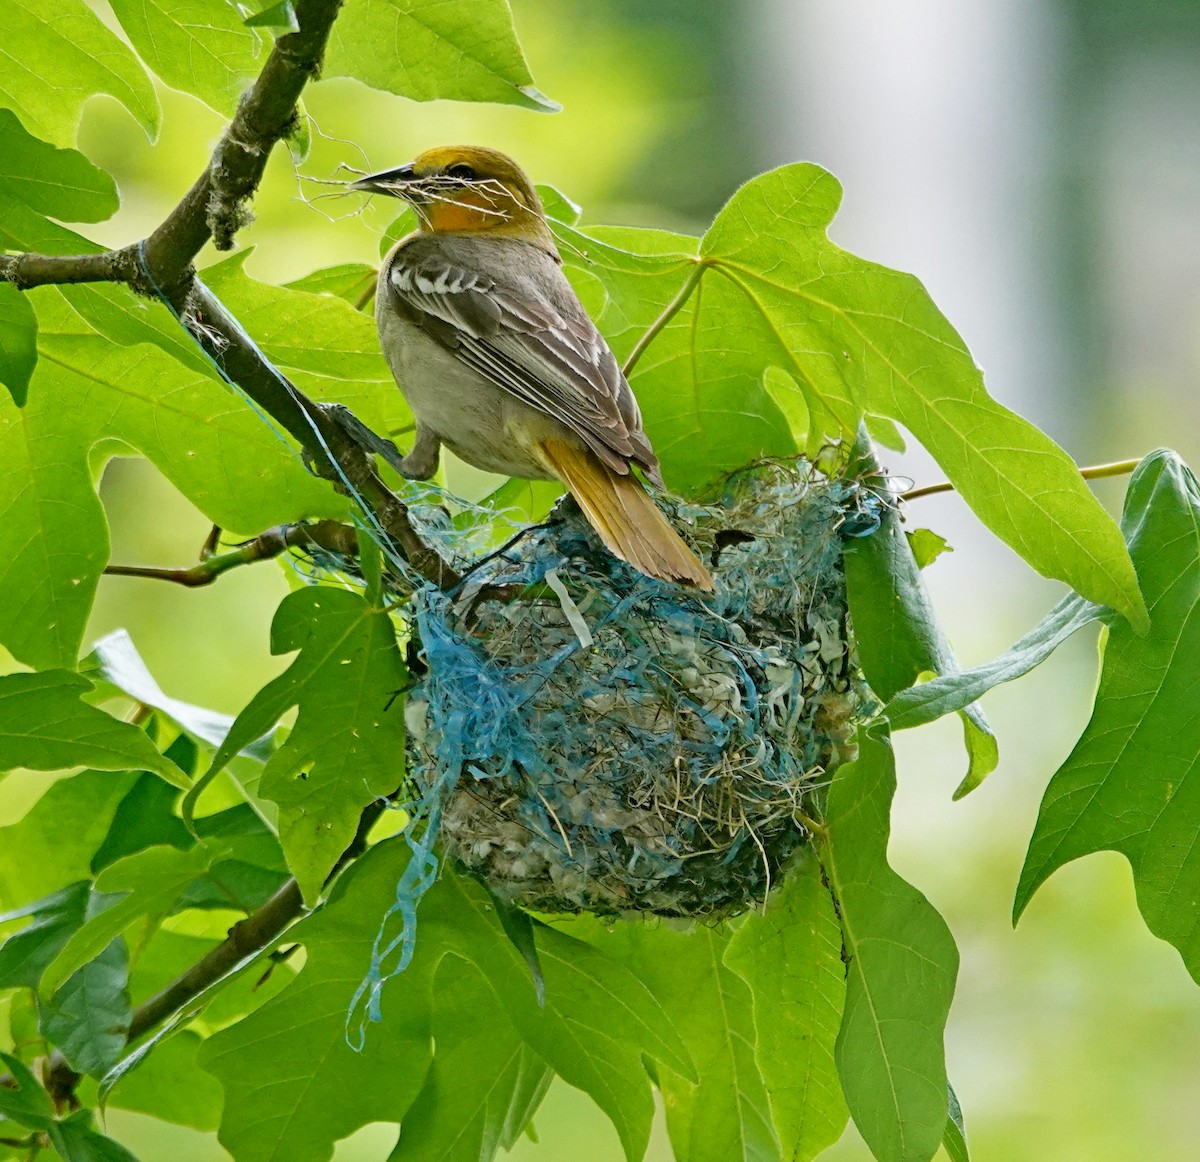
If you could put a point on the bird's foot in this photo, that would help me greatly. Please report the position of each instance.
(415, 466)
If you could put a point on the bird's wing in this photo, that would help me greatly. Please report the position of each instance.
(551, 358)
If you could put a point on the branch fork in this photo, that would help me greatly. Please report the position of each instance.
(215, 208)
(162, 266)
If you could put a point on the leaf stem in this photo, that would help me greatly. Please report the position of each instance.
(368, 294)
(669, 312)
(1092, 472)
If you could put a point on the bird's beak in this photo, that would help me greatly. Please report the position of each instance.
(390, 182)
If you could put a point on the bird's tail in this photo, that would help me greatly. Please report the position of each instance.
(629, 523)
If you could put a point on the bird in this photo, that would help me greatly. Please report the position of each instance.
(501, 363)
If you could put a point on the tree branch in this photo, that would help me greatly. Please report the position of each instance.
(335, 453)
(245, 940)
(216, 205)
(215, 208)
(29, 270)
(331, 535)
(1092, 472)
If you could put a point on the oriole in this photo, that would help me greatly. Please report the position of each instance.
(499, 360)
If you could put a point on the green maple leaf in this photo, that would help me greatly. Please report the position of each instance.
(347, 747)
(901, 968)
(38, 183)
(427, 49)
(1131, 781)
(764, 299)
(85, 393)
(45, 726)
(723, 1109)
(790, 955)
(195, 45)
(57, 53)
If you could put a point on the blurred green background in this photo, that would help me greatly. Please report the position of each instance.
(1037, 163)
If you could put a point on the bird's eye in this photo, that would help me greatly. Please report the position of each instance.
(461, 171)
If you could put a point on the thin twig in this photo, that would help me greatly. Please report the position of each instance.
(1093, 472)
(211, 543)
(331, 535)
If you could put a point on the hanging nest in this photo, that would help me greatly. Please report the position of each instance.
(614, 744)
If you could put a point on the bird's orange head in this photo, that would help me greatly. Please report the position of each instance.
(467, 189)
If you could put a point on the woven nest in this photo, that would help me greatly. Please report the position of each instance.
(615, 744)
